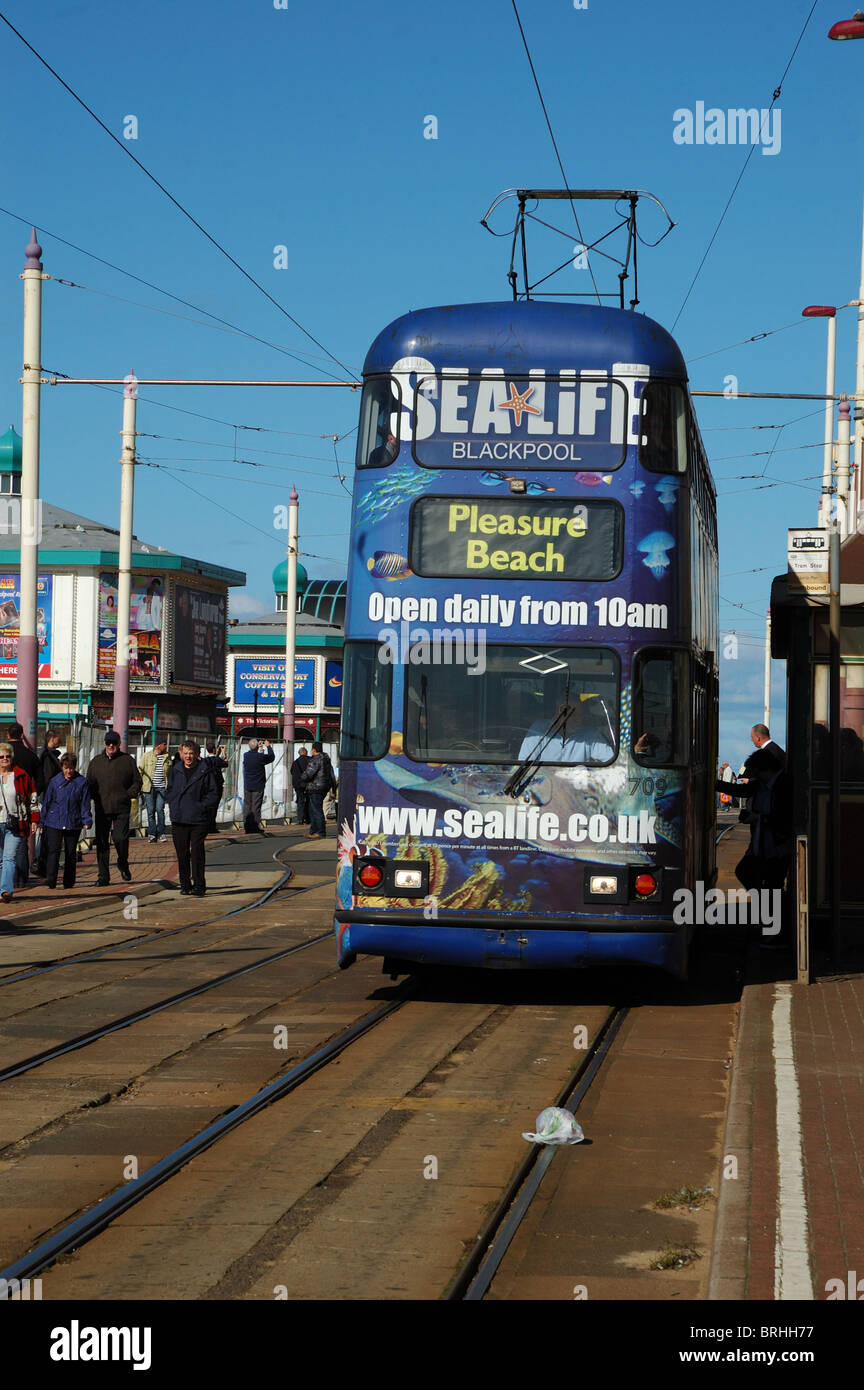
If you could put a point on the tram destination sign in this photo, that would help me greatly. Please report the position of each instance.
(464, 537)
(807, 558)
(497, 419)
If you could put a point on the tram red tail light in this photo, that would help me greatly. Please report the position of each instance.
(645, 885)
(371, 876)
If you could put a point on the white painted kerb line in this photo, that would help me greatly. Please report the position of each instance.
(791, 1255)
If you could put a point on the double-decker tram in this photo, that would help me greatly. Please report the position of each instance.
(530, 694)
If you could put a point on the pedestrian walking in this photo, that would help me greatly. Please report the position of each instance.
(65, 812)
(218, 763)
(318, 779)
(193, 796)
(114, 782)
(23, 756)
(254, 782)
(17, 800)
(155, 767)
(298, 771)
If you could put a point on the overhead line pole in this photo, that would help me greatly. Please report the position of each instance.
(27, 691)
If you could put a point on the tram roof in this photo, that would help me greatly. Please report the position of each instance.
(524, 334)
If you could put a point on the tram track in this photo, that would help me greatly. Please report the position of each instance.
(472, 1282)
(163, 932)
(84, 1228)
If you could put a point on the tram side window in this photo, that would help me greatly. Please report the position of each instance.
(663, 428)
(366, 700)
(378, 434)
(659, 718)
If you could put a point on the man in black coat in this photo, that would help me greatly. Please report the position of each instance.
(298, 772)
(318, 779)
(114, 783)
(23, 756)
(255, 761)
(193, 796)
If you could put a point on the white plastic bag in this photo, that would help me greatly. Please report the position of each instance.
(556, 1126)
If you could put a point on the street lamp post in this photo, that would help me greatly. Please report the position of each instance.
(829, 312)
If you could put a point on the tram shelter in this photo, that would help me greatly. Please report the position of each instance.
(800, 636)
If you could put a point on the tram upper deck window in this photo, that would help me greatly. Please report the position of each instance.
(503, 705)
(663, 428)
(366, 700)
(660, 708)
(378, 433)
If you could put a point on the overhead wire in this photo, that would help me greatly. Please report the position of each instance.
(152, 177)
(298, 355)
(750, 153)
(554, 142)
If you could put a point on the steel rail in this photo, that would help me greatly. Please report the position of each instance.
(475, 1276)
(84, 1228)
(116, 1025)
(163, 933)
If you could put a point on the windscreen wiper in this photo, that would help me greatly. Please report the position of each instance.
(524, 774)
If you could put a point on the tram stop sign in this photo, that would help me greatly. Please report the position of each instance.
(807, 555)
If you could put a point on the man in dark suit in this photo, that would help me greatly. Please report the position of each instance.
(761, 738)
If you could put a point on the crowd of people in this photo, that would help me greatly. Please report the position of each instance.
(47, 802)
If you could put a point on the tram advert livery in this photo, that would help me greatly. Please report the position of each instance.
(530, 690)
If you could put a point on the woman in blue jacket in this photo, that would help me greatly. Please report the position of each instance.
(65, 810)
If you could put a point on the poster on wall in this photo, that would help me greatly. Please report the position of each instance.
(145, 628)
(267, 676)
(10, 616)
(199, 636)
(333, 685)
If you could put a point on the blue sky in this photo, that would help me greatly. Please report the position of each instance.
(304, 128)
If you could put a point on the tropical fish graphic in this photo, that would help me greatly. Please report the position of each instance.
(493, 478)
(334, 682)
(400, 484)
(385, 564)
(592, 479)
(656, 549)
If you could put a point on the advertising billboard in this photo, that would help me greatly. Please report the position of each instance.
(145, 628)
(199, 636)
(267, 676)
(10, 612)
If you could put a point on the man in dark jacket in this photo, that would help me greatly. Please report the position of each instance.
(318, 779)
(254, 781)
(298, 770)
(114, 782)
(24, 757)
(193, 796)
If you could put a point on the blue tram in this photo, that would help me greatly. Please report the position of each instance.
(529, 713)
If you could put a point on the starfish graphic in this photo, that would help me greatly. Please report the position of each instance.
(518, 405)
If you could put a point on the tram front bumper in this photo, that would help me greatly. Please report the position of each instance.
(518, 948)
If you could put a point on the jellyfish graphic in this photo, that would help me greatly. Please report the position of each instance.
(637, 488)
(666, 490)
(656, 549)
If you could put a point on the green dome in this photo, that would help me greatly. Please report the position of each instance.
(280, 578)
(10, 451)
